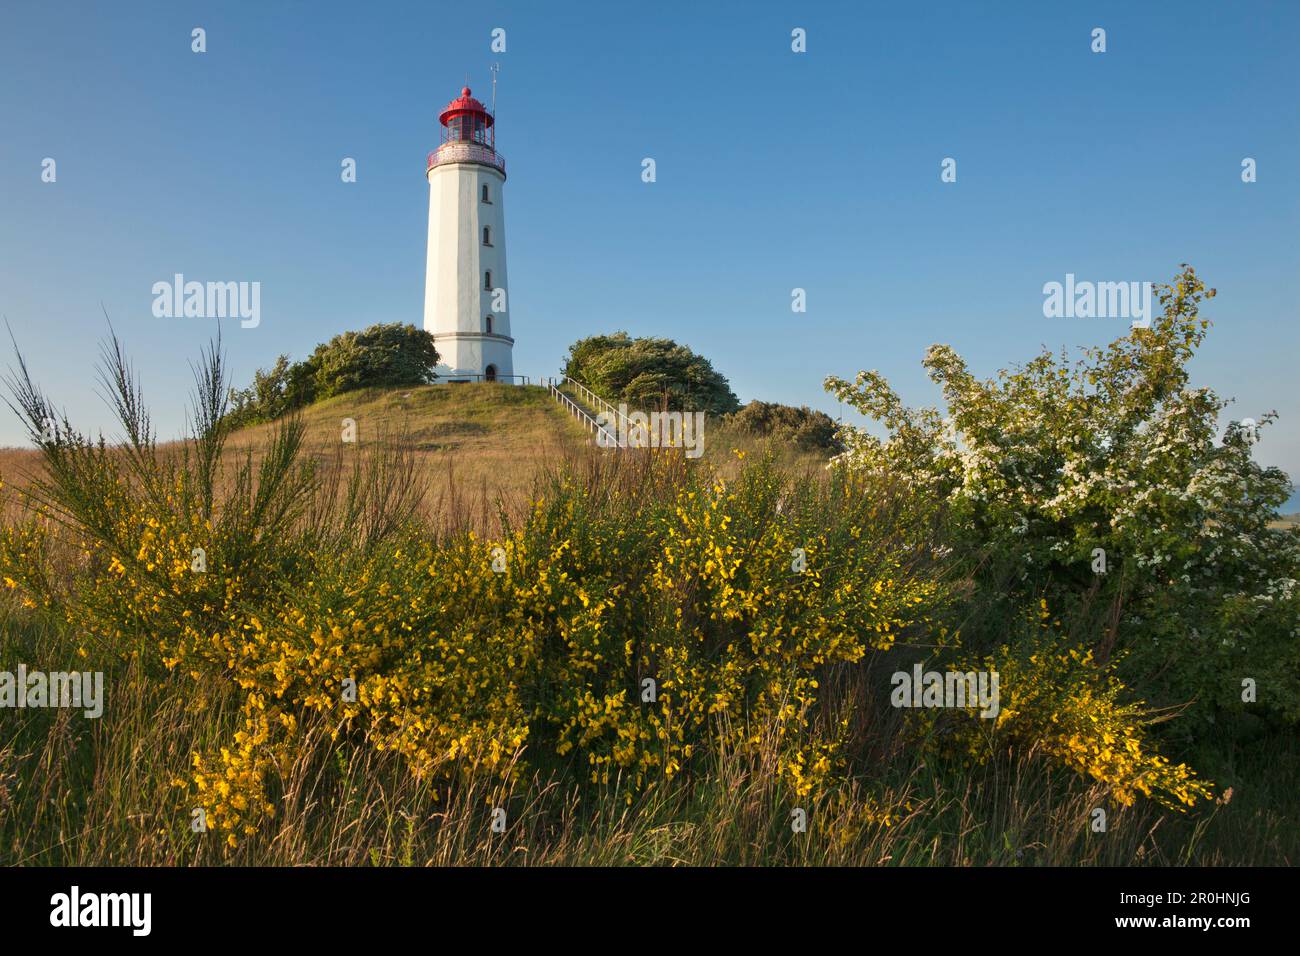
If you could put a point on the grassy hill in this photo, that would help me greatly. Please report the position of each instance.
(482, 417)
(469, 445)
(472, 446)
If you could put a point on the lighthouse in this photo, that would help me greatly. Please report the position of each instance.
(466, 305)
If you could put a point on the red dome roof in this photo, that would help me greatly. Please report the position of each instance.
(464, 104)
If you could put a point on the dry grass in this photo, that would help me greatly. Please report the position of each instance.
(473, 449)
(469, 447)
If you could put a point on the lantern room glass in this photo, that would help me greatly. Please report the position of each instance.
(468, 128)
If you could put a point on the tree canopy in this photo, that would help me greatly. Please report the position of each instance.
(389, 355)
(800, 426)
(649, 372)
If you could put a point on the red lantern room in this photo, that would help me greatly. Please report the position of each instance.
(468, 134)
(466, 120)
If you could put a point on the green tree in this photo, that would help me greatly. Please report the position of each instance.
(650, 373)
(382, 356)
(800, 426)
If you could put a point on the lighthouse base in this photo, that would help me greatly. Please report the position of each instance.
(474, 355)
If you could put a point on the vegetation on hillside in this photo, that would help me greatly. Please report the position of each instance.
(381, 356)
(801, 426)
(649, 374)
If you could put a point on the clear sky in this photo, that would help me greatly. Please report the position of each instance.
(775, 170)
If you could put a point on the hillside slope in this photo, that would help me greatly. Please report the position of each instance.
(483, 418)
(472, 444)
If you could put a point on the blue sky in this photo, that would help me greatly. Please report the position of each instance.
(775, 170)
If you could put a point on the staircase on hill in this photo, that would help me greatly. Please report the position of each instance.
(586, 406)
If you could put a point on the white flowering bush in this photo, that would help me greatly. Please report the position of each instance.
(1100, 485)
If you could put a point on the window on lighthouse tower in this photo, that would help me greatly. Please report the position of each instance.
(487, 281)
(487, 235)
(487, 196)
(488, 322)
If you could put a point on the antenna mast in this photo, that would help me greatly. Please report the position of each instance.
(495, 68)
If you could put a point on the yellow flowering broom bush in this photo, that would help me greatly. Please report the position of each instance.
(621, 632)
(1057, 700)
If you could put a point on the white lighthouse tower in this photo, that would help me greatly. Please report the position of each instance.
(466, 306)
